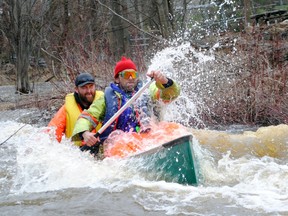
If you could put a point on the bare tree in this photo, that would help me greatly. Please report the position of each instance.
(247, 12)
(117, 29)
(165, 14)
(19, 25)
(23, 26)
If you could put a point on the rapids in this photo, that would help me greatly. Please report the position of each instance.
(242, 173)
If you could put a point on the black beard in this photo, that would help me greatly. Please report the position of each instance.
(82, 101)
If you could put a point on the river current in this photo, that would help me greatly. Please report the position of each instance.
(242, 172)
(39, 176)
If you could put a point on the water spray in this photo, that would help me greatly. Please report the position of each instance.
(13, 134)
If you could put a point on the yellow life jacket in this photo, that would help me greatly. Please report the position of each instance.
(73, 111)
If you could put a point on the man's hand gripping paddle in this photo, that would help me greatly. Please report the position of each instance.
(94, 148)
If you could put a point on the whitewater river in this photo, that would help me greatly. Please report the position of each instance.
(39, 176)
(241, 173)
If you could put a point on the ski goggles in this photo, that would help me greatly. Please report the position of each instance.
(126, 74)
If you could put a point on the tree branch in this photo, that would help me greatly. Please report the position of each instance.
(128, 21)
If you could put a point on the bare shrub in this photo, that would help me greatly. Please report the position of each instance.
(254, 91)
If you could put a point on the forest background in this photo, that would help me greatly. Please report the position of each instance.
(51, 41)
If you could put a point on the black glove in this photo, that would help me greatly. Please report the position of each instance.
(93, 149)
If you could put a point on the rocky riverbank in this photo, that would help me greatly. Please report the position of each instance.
(35, 108)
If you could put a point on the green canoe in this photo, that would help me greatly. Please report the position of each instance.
(173, 161)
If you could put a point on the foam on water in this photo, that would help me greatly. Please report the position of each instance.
(42, 164)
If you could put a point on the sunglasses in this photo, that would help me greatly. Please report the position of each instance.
(129, 73)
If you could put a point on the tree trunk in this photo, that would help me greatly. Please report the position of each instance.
(22, 64)
(117, 31)
(165, 17)
(247, 12)
(20, 15)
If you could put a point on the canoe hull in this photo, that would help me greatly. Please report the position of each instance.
(173, 161)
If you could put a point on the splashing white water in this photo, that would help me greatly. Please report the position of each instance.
(42, 164)
(183, 64)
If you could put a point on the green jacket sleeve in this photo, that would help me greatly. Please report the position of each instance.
(89, 119)
(159, 92)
